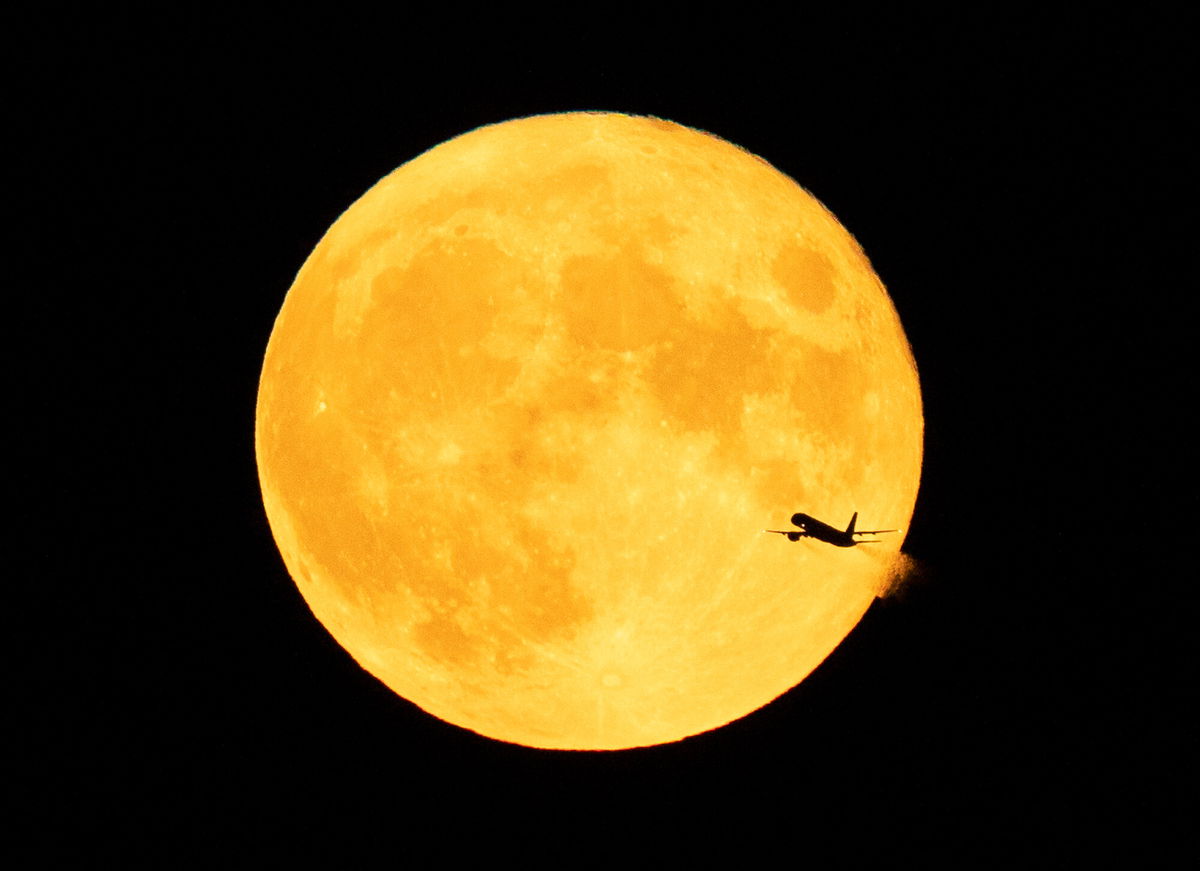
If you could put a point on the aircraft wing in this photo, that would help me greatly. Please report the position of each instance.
(873, 531)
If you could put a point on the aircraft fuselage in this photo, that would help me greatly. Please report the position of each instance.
(814, 528)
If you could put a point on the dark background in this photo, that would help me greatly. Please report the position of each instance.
(1021, 186)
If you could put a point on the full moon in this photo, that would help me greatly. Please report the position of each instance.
(531, 402)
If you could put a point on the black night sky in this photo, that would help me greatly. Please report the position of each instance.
(1019, 186)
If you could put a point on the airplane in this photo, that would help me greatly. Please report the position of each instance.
(810, 527)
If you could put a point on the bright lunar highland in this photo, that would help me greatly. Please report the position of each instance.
(530, 403)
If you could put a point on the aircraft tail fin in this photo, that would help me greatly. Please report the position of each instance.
(853, 520)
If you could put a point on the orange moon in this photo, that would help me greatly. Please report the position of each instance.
(530, 403)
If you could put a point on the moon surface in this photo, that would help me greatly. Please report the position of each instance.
(530, 403)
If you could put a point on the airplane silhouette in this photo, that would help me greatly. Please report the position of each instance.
(810, 527)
